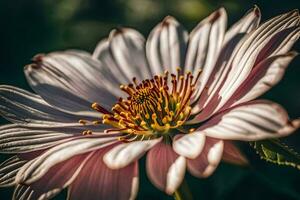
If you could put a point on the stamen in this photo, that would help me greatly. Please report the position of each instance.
(197, 77)
(100, 109)
(152, 108)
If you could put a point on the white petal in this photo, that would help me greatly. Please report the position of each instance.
(22, 192)
(205, 45)
(123, 154)
(189, 145)
(215, 153)
(16, 138)
(128, 49)
(123, 56)
(109, 66)
(214, 157)
(175, 175)
(21, 138)
(205, 42)
(36, 168)
(166, 46)
(69, 80)
(9, 169)
(246, 24)
(255, 120)
(21, 106)
(134, 188)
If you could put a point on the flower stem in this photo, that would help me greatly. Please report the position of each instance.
(183, 192)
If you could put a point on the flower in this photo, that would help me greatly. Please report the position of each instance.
(183, 98)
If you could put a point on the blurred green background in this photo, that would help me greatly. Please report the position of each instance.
(29, 27)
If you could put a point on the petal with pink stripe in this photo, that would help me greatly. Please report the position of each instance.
(206, 163)
(97, 181)
(255, 120)
(165, 168)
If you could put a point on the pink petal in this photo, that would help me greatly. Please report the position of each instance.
(165, 168)
(97, 181)
(206, 163)
(38, 167)
(233, 155)
(58, 177)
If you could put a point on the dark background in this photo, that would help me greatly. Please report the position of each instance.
(28, 27)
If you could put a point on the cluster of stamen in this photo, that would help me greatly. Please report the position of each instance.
(152, 108)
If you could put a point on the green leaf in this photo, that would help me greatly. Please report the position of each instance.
(277, 152)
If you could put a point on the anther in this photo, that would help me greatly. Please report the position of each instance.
(83, 122)
(100, 109)
(87, 132)
(97, 122)
(191, 130)
(134, 81)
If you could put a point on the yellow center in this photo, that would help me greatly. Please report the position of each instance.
(152, 108)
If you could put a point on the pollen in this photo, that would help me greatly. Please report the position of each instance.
(154, 107)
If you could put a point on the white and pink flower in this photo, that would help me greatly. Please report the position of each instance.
(181, 97)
